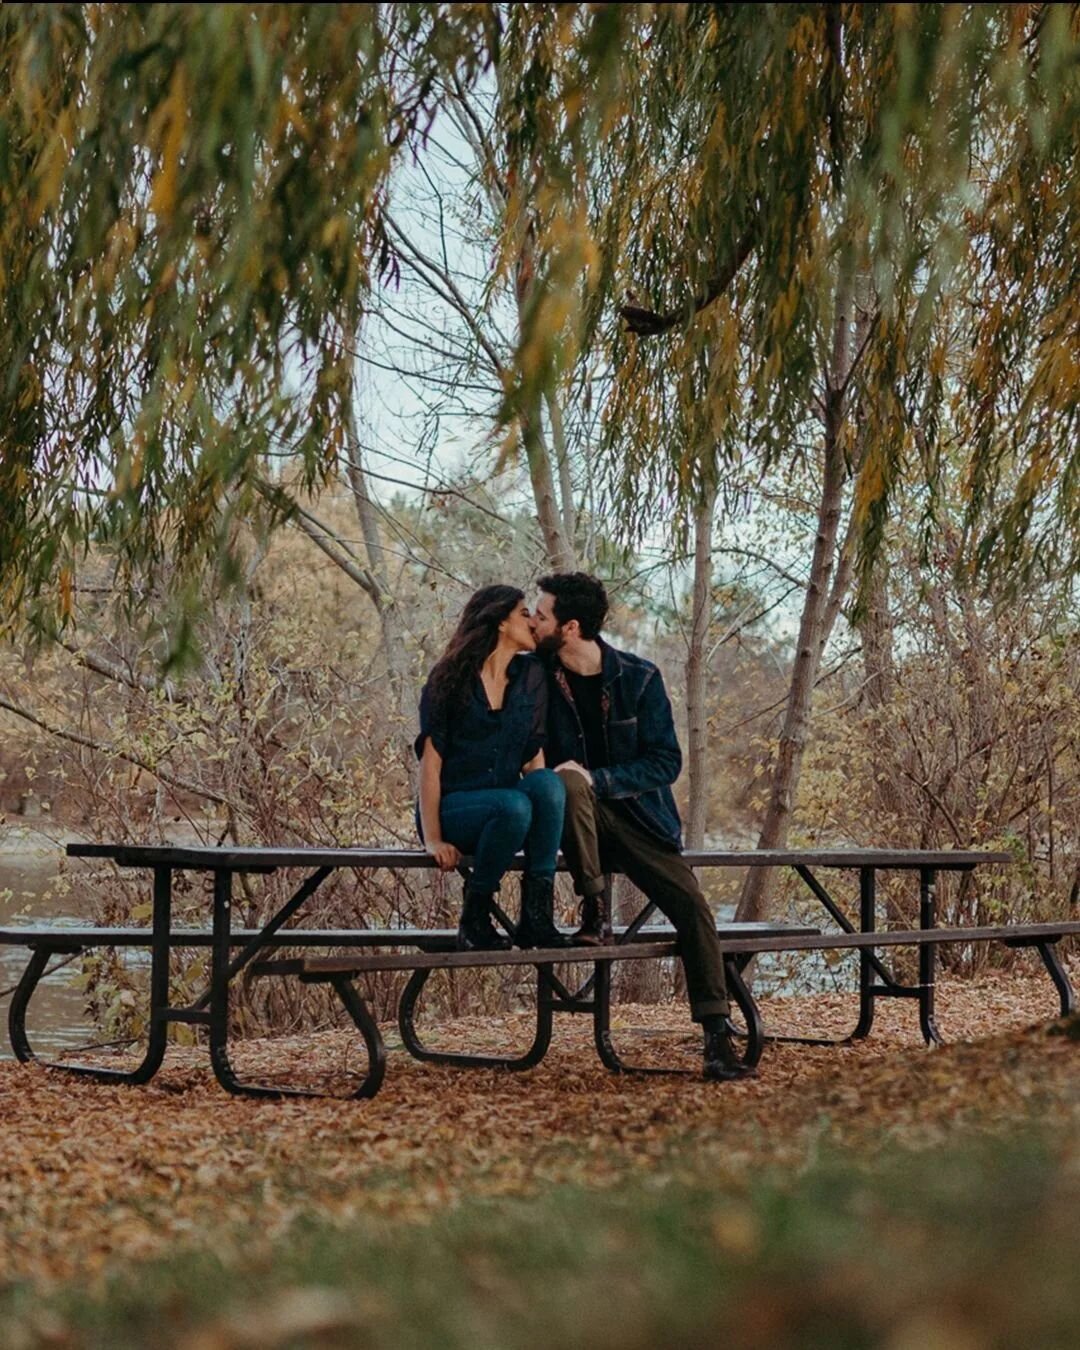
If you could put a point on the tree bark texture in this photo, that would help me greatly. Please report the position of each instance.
(562, 457)
(876, 633)
(392, 630)
(558, 546)
(696, 720)
(813, 627)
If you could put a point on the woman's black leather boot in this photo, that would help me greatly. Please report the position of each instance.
(537, 928)
(476, 932)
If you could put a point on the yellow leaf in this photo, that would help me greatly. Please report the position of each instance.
(174, 114)
(52, 164)
(67, 593)
(334, 230)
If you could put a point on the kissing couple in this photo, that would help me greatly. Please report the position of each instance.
(535, 733)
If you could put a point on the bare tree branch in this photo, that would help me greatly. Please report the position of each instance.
(771, 563)
(773, 707)
(321, 535)
(445, 286)
(741, 624)
(120, 674)
(112, 752)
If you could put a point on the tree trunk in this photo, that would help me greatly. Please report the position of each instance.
(562, 459)
(391, 628)
(696, 721)
(558, 545)
(813, 626)
(875, 628)
(559, 549)
(876, 632)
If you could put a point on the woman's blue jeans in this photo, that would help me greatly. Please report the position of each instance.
(495, 823)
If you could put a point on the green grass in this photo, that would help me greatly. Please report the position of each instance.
(952, 1249)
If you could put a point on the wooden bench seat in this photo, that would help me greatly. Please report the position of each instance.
(646, 946)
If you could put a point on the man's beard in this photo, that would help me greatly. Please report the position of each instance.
(550, 645)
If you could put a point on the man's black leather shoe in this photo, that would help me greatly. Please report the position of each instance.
(594, 932)
(722, 1065)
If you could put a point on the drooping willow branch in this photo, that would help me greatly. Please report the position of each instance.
(648, 323)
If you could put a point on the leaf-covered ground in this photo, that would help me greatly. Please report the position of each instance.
(93, 1177)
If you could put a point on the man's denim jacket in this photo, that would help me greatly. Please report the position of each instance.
(644, 758)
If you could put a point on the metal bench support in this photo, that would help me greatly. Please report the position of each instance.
(410, 1037)
(754, 1034)
(221, 973)
(159, 996)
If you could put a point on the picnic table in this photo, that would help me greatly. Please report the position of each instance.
(422, 951)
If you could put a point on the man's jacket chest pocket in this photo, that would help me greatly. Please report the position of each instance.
(622, 739)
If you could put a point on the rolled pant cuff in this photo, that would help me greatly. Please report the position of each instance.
(713, 1007)
(595, 887)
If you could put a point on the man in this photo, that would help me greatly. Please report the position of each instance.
(611, 735)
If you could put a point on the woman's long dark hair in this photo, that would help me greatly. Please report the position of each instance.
(473, 642)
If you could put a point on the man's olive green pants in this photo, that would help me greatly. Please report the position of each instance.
(599, 836)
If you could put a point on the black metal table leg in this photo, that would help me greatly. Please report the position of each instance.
(869, 961)
(219, 983)
(611, 1059)
(1056, 971)
(258, 942)
(755, 1027)
(369, 1030)
(867, 922)
(20, 1000)
(601, 989)
(157, 1032)
(927, 957)
(1047, 949)
(869, 964)
(585, 989)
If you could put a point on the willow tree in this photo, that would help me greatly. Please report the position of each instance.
(799, 190)
(189, 217)
(188, 222)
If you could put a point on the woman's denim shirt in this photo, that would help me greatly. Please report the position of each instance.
(482, 747)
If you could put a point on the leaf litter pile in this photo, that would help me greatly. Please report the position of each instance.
(93, 1175)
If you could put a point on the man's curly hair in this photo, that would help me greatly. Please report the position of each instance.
(577, 596)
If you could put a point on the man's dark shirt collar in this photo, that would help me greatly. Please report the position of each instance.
(610, 665)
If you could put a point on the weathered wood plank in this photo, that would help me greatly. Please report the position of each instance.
(807, 940)
(56, 934)
(240, 859)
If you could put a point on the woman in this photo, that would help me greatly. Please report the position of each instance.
(484, 789)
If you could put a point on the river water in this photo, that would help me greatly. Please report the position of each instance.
(32, 891)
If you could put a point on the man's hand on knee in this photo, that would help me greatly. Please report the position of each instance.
(572, 766)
